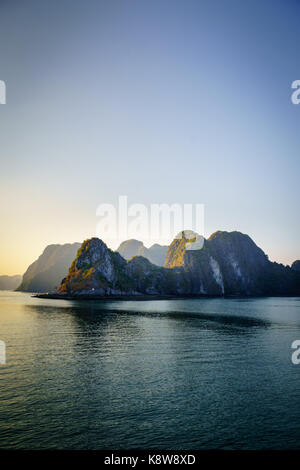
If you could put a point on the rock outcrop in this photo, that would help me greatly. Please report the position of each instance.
(46, 273)
(228, 263)
(97, 270)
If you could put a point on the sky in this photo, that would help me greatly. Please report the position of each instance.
(162, 101)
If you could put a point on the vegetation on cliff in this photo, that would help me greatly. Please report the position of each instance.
(228, 263)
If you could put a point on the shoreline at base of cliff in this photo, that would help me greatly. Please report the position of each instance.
(121, 297)
(149, 297)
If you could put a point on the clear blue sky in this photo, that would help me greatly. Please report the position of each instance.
(163, 101)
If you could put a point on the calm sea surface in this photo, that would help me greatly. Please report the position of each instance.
(176, 374)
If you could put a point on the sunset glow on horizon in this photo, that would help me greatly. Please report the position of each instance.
(165, 102)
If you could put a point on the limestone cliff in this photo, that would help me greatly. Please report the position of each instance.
(45, 274)
(97, 270)
(228, 263)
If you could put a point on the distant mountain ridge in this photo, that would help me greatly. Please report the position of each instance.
(156, 254)
(10, 282)
(228, 263)
(46, 273)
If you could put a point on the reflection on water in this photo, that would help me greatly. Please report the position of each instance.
(176, 374)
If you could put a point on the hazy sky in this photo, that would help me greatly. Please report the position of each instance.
(163, 101)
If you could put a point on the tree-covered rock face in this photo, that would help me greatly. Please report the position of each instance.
(186, 240)
(228, 263)
(240, 262)
(150, 279)
(97, 270)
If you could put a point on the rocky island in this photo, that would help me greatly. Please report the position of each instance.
(225, 264)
